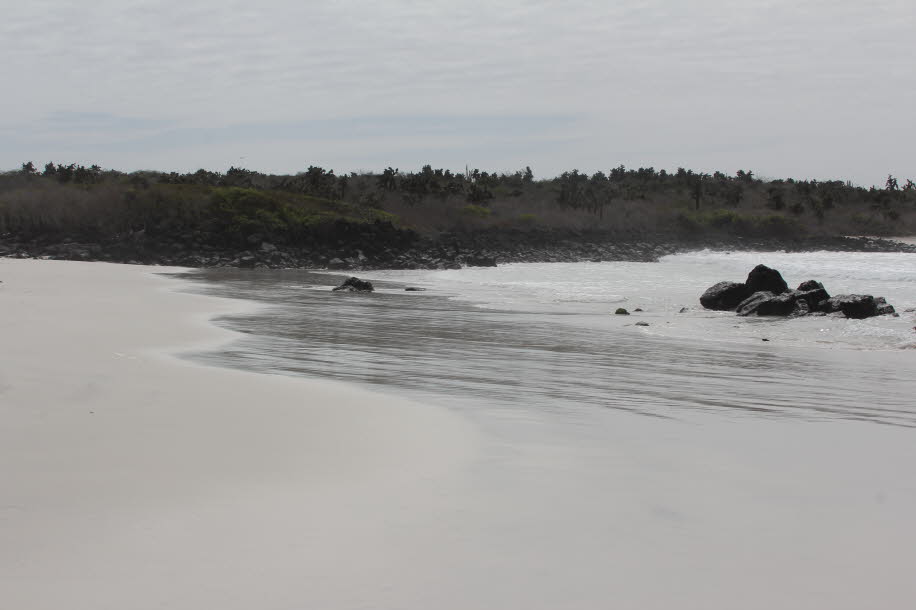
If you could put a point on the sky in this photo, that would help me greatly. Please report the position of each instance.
(802, 88)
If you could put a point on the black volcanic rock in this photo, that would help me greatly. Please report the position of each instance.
(809, 285)
(752, 303)
(354, 284)
(883, 307)
(856, 306)
(724, 296)
(765, 303)
(812, 298)
(763, 279)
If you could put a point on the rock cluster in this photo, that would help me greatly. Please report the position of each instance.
(765, 293)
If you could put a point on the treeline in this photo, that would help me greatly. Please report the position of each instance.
(233, 205)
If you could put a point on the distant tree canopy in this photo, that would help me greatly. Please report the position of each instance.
(621, 198)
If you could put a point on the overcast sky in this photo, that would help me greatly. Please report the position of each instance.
(802, 88)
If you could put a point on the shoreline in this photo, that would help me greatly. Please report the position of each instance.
(133, 478)
(448, 251)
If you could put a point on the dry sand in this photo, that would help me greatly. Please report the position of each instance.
(130, 479)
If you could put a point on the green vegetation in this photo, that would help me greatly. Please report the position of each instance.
(317, 205)
(477, 211)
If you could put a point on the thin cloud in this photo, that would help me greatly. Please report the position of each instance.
(671, 82)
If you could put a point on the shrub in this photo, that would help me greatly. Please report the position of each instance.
(477, 211)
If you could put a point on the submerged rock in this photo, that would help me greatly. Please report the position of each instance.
(354, 284)
(724, 296)
(414, 289)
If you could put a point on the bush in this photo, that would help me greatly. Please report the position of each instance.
(477, 211)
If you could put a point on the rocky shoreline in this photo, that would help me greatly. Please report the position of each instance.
(407, 250)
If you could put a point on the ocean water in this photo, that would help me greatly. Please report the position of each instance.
(544, 337)
(685, 464)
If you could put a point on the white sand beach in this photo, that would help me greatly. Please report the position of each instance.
(131, 479)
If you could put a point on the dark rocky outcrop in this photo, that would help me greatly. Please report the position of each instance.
(811, 298)
(354, 284)
(763, 279)
(622, 312)
(380, 245)
(724, 296)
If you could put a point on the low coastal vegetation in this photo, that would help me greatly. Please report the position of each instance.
(318, 210)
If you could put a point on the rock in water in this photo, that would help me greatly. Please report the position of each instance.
(765, 303)
(724, 296)
(622, 312)
(810, 285)
(812, 298)
(856, 306)
(883, 307)
(354, 284)
(763, 279)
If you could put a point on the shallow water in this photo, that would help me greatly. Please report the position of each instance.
(687, 464)
(543, 336)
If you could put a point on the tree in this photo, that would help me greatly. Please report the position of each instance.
(696, 188)
(388, 179)
(745, 176)
(775, 199)
(891, 184)
(28, 168)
